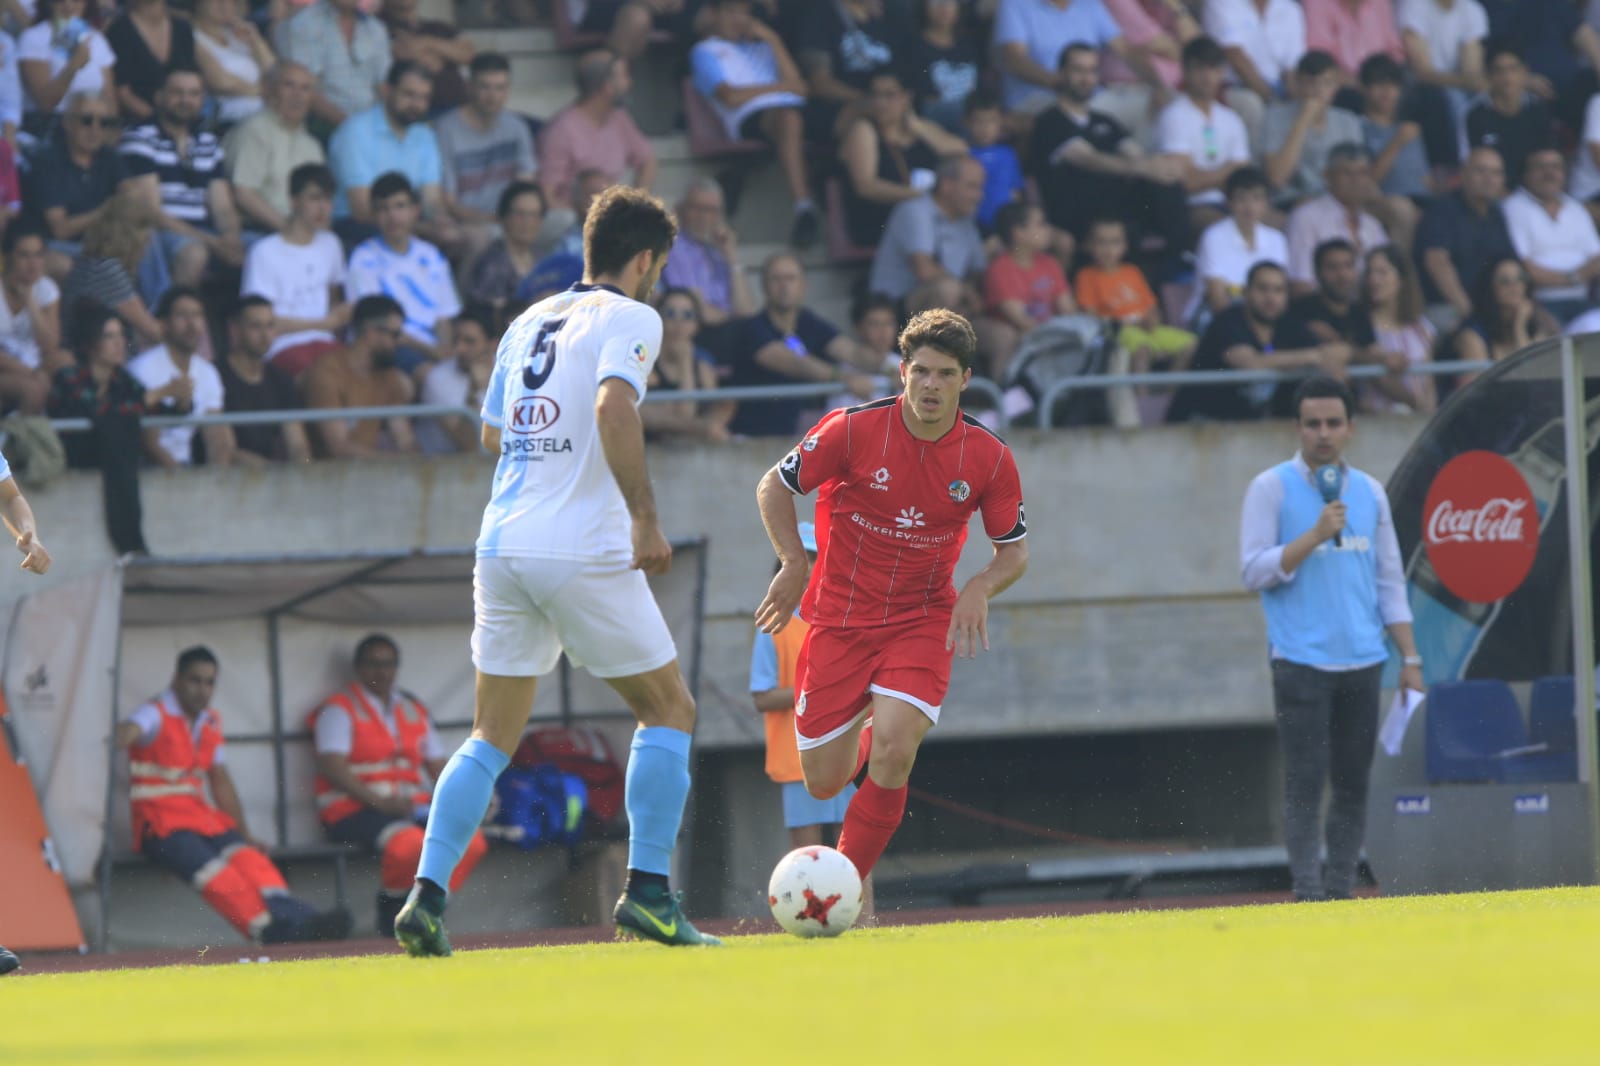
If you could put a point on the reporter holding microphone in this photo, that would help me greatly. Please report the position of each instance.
(1317, 541)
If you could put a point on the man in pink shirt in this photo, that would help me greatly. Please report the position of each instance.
(1352, 30)
(1155, 32)
(595, 133)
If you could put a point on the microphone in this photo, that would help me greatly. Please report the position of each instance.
(1330, 482)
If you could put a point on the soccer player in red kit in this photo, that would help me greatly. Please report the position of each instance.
(897, 482)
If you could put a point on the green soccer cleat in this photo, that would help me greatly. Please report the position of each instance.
(649, 916)
(420, 929)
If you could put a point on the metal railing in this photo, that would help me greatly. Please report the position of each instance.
(807, 391)
(1058, 391)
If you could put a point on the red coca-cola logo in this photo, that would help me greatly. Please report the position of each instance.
(1480, 527)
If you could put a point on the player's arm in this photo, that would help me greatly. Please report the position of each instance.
(775, 498)
(969, 621)
(616, 413)
(18, 517)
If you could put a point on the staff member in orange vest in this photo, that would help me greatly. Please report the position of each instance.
(175, 749)
(373, 741)
(18, 517)
(773, 663)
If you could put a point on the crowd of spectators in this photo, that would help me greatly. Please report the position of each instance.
(331, 204)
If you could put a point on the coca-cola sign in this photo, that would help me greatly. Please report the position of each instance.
(1480, 527)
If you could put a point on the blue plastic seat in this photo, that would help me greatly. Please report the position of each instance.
(1552, 721)
(1468, 722)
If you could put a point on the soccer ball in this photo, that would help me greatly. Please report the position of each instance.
(815, 891)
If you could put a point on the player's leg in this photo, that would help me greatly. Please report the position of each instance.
(513, 642)
(880, 804)
(831, 678)
(608, 622)
(908, 686)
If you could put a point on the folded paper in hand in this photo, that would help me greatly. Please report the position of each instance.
(1393, 730)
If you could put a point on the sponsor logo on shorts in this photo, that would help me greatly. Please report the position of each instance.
(959, 491)
(800, 704)
(880, 479)
(534, 414)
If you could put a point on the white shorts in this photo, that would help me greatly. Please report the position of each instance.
(528, 611)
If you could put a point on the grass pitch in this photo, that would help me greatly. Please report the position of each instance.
(1505, 978)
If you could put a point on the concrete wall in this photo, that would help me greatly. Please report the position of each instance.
(1129, 642)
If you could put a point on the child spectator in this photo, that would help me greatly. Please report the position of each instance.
(1002, 171)
(301, 273)
(1023, 286)
(877, 325)
(1117, 290)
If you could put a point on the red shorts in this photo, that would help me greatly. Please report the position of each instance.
(840, 669)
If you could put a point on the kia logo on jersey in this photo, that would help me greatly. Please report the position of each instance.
(534, 414)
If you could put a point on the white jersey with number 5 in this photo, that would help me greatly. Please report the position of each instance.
(554, 495)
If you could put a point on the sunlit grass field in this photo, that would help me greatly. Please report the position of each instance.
(1505, 978)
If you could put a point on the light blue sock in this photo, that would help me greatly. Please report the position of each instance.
(657, 788)
(460, 800)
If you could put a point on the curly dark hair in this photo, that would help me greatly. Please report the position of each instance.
(623, 222)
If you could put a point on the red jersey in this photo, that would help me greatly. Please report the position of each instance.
(892, 511)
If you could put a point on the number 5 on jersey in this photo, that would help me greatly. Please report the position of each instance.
(543, 353)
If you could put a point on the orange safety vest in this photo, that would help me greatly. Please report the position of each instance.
(387, 762)
(166, 782)
(783, 754)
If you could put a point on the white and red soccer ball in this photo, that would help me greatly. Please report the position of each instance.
(815, 891)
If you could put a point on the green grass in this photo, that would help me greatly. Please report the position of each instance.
(1507, 978)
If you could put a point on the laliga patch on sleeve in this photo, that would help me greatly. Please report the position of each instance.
(640, 352)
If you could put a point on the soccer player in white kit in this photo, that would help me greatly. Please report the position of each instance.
(567, 539)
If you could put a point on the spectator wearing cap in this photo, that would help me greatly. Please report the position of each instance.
(347, 53)
(1554, 236)
(1509, 118)
(1209, 134)
(1263, 40)
(391, 137)
(595, 132)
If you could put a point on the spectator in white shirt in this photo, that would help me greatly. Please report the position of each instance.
(30, 322)
(301, 273)
(1210, 134)
(1229, 248)
(1443, 40)
(1585, 182)
(183, 326)
(1340, 212)
(1554, 235)
(1263, 40)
